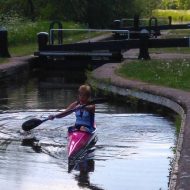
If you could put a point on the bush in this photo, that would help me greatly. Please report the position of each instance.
(22, 31)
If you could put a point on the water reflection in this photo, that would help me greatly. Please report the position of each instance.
(35, 96)
(131, 146)
(83, 178)
(127, 143)
(84, 167)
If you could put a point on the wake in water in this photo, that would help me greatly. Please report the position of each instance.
(48, 138)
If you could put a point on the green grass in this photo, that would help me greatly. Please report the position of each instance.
(30, 47)
(173, 74)
(25, 32)
(178, 124)
(22, 35)
(181, 50)
(177, 15)
(22, 32)
(23, 49)
(179, 33)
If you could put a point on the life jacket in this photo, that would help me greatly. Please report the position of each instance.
(85, 118)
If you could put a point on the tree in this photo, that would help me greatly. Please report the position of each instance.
(97, 13)
(184, 4)
(28, 8)
(175, 4)
(147, 6)
(21, 7)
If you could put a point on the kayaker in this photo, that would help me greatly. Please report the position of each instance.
(84, 116)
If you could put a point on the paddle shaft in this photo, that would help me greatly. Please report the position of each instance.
(72, 110)
(33, 123)
(95, 101)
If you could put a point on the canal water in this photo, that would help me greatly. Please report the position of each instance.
(134, 150)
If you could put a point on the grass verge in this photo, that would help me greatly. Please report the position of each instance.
(29, 48)
(173, 73)
(177, 15)
(180, 50)
(22, 49)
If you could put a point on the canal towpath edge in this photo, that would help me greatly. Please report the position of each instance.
(15, 66)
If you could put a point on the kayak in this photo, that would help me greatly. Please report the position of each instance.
(79, 142)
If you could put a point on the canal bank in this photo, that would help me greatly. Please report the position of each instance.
(16, 66)
(104, 78)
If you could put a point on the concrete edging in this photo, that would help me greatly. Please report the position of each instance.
(15, 66)
(104, 78)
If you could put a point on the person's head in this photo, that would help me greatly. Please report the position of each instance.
(84, 92)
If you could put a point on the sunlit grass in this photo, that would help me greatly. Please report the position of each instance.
(179, 33)
(176, 33)
(29, 48)
(20, 32)
(177, 15)
(173, 74)
(181, 50)
(22, 35)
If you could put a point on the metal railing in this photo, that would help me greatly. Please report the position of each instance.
(51, 35)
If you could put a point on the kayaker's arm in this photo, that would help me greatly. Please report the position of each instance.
(90, 108)
(66, 112)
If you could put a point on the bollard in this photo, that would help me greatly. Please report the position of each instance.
(135, 34)
(43, 38)
(136, 22)
(123, 22)
(144, 44)
(169, 20)
(117, 24)
(4, 43)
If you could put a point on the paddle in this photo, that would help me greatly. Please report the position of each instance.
(33, 123)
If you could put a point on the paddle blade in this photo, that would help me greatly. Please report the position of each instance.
(31, 124)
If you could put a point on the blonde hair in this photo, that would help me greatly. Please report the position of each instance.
(85, 89)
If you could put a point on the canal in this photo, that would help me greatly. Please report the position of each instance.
(134, 150)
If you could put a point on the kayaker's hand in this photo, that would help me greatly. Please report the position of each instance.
(51, 117)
